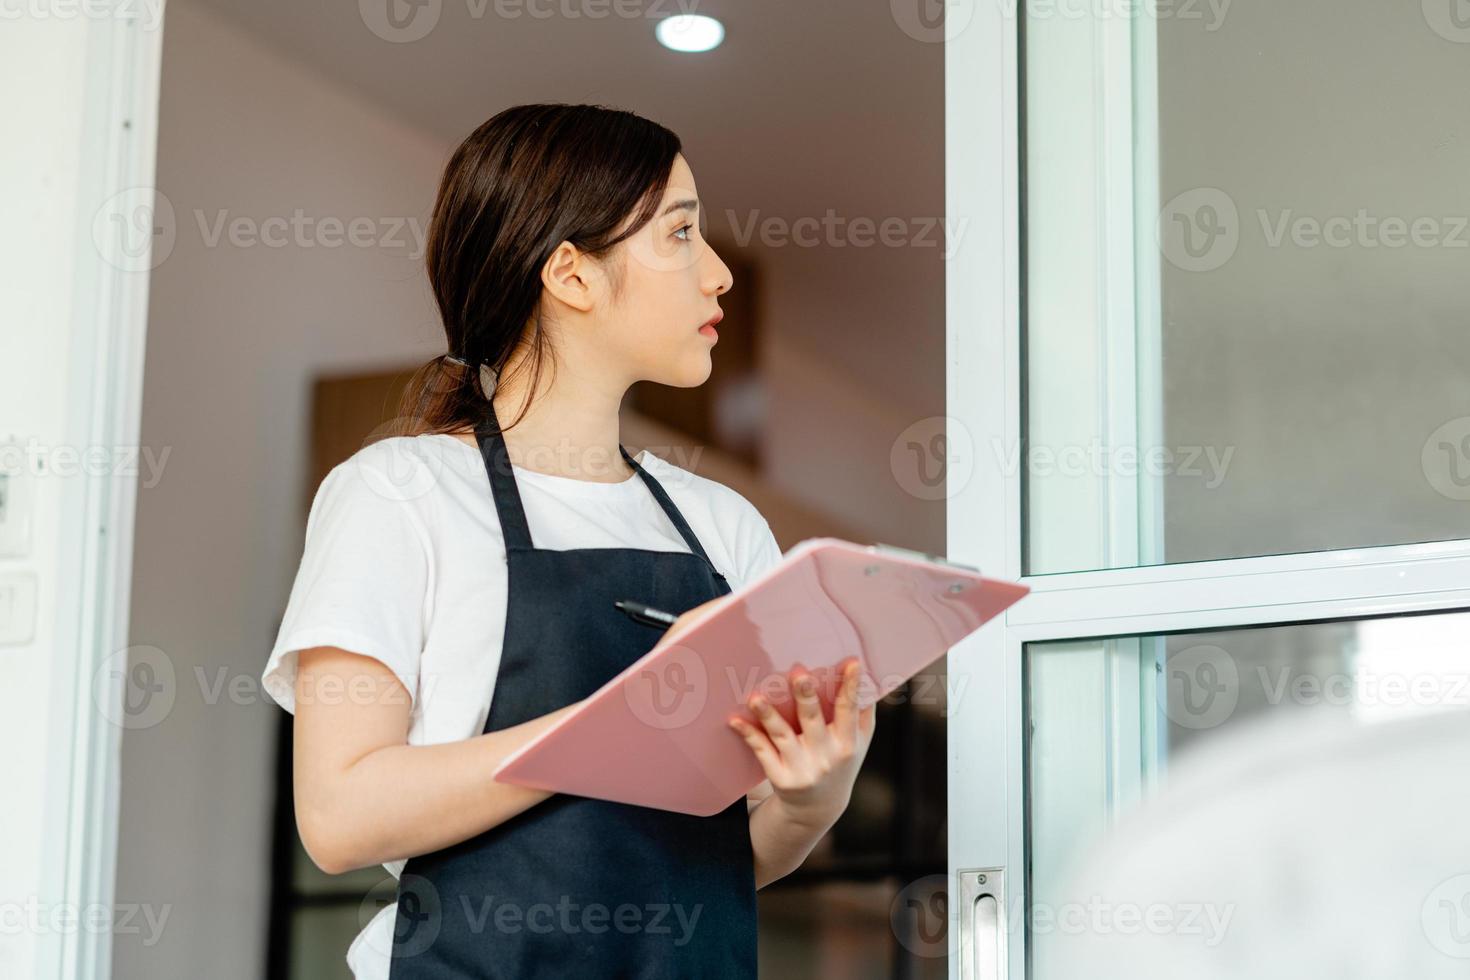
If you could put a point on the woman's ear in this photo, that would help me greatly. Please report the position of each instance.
(572, 277)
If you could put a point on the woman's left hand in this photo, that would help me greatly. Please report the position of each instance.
(811, 770)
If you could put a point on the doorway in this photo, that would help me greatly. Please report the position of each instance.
(1207, 391)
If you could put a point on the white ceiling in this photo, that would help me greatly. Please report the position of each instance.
(806, 106)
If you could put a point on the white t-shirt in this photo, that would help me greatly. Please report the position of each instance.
(404, 562)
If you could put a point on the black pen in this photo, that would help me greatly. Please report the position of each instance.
(647, 615)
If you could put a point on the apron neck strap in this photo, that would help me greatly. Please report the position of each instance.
(508, 497)
(664, 501)
(512, 515)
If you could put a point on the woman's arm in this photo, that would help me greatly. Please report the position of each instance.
(363, 795)
(809, 771)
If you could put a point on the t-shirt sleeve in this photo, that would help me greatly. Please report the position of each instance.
(759, 547)
(364, 581)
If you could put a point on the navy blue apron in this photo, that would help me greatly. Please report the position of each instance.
(575, 887)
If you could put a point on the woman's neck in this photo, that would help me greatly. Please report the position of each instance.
(571, 426)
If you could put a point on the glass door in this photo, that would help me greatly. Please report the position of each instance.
(1209, 388)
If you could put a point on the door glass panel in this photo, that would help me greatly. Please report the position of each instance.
(1107, 718)
(1246, 250)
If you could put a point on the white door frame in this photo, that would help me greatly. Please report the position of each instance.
(92, 129)
(984, 385)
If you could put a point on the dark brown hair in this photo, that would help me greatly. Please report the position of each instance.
(528, 179)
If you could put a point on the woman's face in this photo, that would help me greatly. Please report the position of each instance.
(671, 281)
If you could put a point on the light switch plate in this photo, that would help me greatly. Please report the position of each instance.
(16, 503)
(17, 608)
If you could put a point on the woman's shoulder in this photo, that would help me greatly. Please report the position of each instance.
(689, 487)
(749, 546)
(406, 470)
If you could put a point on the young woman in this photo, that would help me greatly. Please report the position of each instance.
(457, 587)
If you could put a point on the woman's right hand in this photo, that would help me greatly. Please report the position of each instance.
(689, 615)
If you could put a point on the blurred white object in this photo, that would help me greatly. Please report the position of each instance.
(1304, 846)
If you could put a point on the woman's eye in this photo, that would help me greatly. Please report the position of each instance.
(683, 229)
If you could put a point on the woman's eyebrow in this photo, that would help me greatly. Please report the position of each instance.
(690, 204)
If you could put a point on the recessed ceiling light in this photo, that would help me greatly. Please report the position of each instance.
(690, 32)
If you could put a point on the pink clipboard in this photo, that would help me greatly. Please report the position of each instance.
(657, 734)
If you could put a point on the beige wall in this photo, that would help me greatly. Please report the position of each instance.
(235, 335)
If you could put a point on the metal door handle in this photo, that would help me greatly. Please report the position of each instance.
(982, 924)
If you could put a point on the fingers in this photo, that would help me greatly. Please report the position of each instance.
(765, 752)
(845, 712)
(683, 620)
(808, 706)
(776, 727)
(811, 732)
(820, 752)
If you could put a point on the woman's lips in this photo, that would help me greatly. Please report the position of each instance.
(709, 327)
